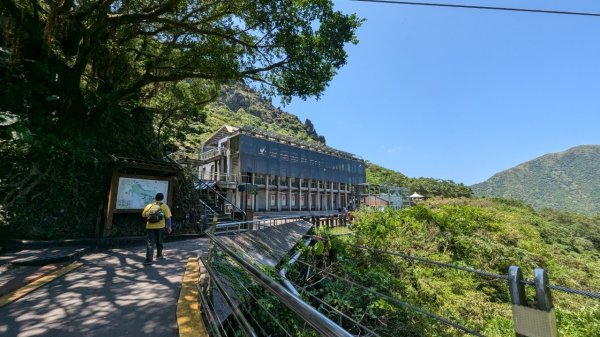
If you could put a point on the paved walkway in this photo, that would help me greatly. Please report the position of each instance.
(111, 295)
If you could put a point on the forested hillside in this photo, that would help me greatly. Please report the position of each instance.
(483, 234)
(568, 180)
(428, 187)
(240, 105)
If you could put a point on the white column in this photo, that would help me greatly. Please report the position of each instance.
(309, 201)
(331, 196)
(277, 201)
(339, 195)
(253, 197)
(267, 194)
(318, 196)
(289, 198)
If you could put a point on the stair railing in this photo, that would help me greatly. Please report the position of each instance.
(223, 198)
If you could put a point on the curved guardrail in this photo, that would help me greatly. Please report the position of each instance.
(524, 313)
(323, 325)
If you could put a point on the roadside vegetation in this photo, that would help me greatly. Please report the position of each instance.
(379, 291)
(483, 234)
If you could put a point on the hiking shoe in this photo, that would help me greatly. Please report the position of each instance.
(147, 263)
(161, 258)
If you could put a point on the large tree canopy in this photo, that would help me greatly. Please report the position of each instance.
(89, 78)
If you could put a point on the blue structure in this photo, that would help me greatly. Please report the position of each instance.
(285, 174)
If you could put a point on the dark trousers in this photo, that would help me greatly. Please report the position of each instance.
(155, 236)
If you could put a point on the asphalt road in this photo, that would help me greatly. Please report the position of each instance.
(111, 295)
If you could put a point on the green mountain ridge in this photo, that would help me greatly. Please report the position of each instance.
(567, 180)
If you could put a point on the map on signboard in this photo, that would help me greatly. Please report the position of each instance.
(136, 193)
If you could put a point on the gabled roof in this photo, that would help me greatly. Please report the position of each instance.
(224, 131)
(145, 164)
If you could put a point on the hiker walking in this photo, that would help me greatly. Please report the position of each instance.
(157, 214)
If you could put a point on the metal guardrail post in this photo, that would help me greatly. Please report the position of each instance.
(542, 292)
(532, 322)
(516, 288)
(211, 245)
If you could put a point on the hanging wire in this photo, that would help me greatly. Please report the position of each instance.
(239, 317)
(277, 321)
(511, 9)
(209, 312)
(400, 303)
(255, 320)
(576, 291)
(304, 290)
(310, 315)
(213, 314)
(420, 259)
(590, 294)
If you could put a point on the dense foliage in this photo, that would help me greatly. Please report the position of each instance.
(429, 187)
(93, 78)
(566, 180)
(482, 234)
(240, 105)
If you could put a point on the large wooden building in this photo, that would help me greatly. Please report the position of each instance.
(264, 172)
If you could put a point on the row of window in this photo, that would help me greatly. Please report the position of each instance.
(262, 156)
(260, 179)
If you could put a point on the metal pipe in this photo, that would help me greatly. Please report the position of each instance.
(284, 270)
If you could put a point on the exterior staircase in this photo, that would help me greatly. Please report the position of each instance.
(217, 205)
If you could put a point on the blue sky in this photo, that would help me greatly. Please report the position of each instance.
(463, 94)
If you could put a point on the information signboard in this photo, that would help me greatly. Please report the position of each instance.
(136, 193)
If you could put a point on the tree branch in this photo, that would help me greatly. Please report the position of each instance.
(267, 68)
(149, 79)
(119, 19)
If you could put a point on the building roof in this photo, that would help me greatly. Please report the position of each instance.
(224, 131)
(318, 147)
(416, 195)
(228, 130)
(145, 164)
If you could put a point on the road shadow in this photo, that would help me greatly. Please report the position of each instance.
(112, 294)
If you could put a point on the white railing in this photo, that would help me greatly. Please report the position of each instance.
(212, 153)
(217, 176)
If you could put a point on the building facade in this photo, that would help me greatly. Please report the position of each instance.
(264, 172)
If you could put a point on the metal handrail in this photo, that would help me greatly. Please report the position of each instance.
(310, 315)
(211, 211)
(222, 197)
(243, 226)
(283, 271)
